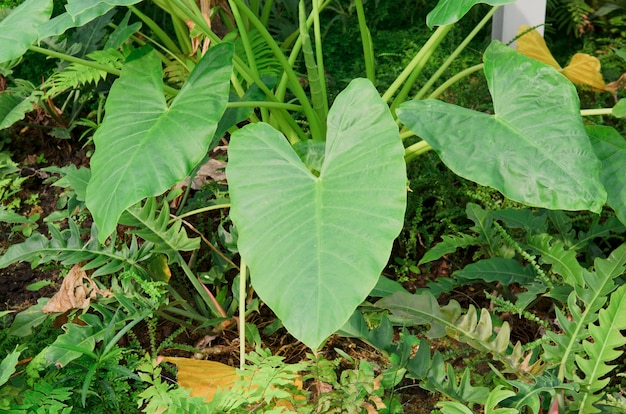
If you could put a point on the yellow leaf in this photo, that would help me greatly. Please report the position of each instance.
(203, 378)
(583, 69)
(532, 45)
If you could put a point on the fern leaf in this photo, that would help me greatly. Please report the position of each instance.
(530, 394)
(448, 245)
(67, 248)
(606, 338)
(77, 75)
(496, 270)
(563, 261)
(154, 226)
(599, 284)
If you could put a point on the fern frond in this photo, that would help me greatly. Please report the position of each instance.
(154, 226)
(448, 245)
(563, 261)
(593, 294)
(606, 338)
(529, 394)
(266, 63)
(67, 248)
(77, 75)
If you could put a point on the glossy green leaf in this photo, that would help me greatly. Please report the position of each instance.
(496, 270)
(19, 29)
(451, 11)
(534, 149)
(144, 146)
(610, 147)
(316, 245)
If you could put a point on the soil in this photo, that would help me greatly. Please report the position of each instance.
(15, 279)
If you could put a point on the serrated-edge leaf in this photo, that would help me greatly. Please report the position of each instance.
(496, 269)
(563, 261)
(606, 338)
(449, 244)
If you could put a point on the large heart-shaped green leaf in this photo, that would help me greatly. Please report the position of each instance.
(451, 11)
(145, 146)
(316, 245)
(19, 29)
(534, 150)
(610, 147)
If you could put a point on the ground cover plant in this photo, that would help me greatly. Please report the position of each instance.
(316, 191)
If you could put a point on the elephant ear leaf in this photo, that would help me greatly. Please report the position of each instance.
(534, 150)
(19, 29)
(451, 11)
(144, 146)
(316, 245)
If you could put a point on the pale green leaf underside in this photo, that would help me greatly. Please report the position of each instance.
(19, 29)
(316, 245)
(534, 150)
(143, 147)
(451, 11)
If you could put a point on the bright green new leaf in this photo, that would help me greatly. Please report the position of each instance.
(7, 365)
(534, 150)
(316, 245)
(451, 11)
(619, 110)
(19, 29)
(144, 146)
(610, 148)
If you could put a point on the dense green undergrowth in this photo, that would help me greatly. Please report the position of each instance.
(488, 272)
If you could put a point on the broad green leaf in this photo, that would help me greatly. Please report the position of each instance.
(534, 149)
(29, 318)
(451, 11)
(497, 269)
(79, 13)
(19, 29)
(316, 245)
(144, 146)
(619, 110)
(14, 108)
(610, 147)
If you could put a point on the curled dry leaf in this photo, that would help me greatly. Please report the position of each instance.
(76, 292)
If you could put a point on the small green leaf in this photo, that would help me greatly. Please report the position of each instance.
(144, 146)
(7, 366)
(619, 110)
(27, 319)
(14, 108)
(451, 11)
(534, 149)
(33, 287)
(19, 29)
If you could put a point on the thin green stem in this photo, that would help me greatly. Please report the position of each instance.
(199, 211)
(415, 150)
(265, 104)
(319, 56)
(366, 40)
(414, 68)
(422, 92)
(167, 41)
(73, 59)
(599, 111)
(242, 313)
(457, 77)
(296, 88)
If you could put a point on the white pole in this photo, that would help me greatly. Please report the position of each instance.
(510, 17)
